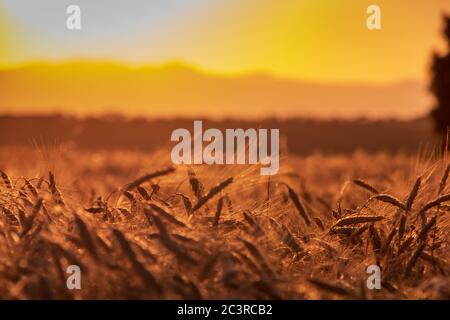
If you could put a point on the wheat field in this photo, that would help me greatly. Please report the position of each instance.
(141, 229)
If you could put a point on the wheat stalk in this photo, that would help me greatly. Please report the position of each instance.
(197, 187)
(148, 177)
(444, 179)
(349, 220)
(413, 194)
(6, 180)
(365, 185)
(215, 190)
(298, 205)
(389, 199)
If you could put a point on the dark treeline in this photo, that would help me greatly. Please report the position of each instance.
(301, 136)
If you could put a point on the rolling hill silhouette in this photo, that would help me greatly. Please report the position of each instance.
(174, 90)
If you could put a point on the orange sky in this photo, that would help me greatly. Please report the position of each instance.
(323, 40)
(319, 41)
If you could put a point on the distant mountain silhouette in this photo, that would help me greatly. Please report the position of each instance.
(82, 87)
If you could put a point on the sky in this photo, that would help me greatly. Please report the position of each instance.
(322, 43)
(318, 40)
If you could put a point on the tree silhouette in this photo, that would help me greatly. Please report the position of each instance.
(440, 86)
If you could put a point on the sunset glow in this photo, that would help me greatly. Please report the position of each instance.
(319, 40)
(322, 42)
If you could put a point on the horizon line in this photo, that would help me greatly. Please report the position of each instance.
(181, 64)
